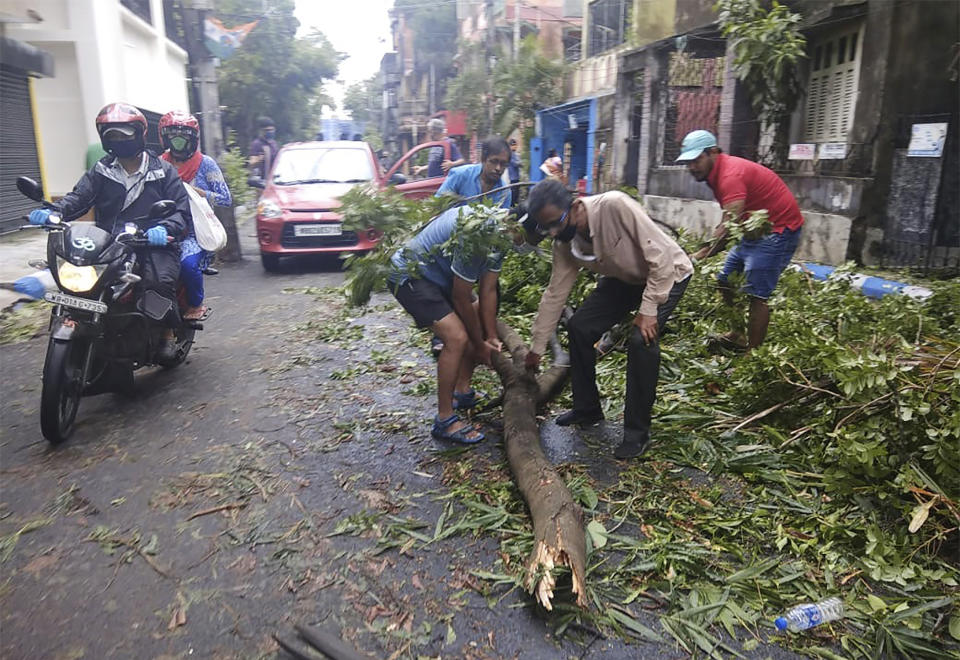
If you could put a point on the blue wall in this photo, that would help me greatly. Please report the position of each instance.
(555, 133)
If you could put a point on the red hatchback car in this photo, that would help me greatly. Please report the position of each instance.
(297, 213)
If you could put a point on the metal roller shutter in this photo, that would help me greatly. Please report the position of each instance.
(18, 147)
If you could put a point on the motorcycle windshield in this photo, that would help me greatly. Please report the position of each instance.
(84, 242)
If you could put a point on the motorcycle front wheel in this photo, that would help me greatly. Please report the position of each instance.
(62, 387)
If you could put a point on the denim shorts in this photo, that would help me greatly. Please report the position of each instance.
(762, 260)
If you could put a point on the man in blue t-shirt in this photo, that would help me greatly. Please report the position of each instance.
(433, 279)
(482, 177)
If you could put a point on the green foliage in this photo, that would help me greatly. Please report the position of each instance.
(767, 46)
(234, 167)
(274, 72)
(753, 226)
(826, 462)
(364, 102)
(482, 229)
(520, 87)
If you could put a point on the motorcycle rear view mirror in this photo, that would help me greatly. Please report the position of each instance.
(162, 209)
(30, 188)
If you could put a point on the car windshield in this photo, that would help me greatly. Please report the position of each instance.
(322, 165)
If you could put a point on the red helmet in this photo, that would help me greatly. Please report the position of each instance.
(121, 113)
(179, 124)
(129, 121)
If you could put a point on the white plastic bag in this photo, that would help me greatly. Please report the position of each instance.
(210, 234)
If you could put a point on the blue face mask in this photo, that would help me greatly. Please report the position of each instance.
(269, 133)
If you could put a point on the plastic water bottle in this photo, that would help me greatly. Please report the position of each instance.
(809, 615)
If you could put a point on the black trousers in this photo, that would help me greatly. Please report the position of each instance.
(609, 303)
(160, 272)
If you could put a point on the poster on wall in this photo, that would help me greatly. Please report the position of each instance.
(802, 151)
(926, 140)
(833, 151)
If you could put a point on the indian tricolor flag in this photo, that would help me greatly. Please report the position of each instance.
(222, 41)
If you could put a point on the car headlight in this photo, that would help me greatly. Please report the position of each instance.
(269, 210)
(78, 278)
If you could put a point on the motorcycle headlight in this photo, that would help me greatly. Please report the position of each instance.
(269, 210)
(78, 279)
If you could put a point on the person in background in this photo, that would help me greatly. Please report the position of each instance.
(263, 150)
(611, 235)
(180, 136)
(513, 172)
(552, 167)
(482, 177)
(742, 186)
(436, 165)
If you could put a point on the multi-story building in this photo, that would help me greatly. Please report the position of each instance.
(879, 78)
(580, 130)
(102, 51)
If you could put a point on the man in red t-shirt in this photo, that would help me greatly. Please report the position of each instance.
(742, 186)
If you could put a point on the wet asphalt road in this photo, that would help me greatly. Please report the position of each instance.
(195, 517)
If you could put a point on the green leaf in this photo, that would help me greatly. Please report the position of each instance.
(598, 534)
(876, 604)
(955, 627)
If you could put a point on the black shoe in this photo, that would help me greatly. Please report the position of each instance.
(210, 270)
(167, 351)
(632, 448)
(576, 417)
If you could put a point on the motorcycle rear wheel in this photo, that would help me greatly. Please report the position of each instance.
(62, 388)
(185, 337)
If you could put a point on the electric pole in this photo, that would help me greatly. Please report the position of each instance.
(489, 57)
(203, 74)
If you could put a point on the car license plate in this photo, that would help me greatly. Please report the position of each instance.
(76, 303)
(329, 229)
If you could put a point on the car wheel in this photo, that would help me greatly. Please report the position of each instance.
(271, 262)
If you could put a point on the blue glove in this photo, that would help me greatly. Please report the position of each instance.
(157, 236)
(39, 216)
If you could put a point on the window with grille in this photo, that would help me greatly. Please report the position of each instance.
(833, 87)
(608, 25)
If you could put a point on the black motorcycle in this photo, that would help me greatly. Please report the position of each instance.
(103, 326)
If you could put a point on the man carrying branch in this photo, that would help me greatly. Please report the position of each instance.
(433, 278)
(611, 235)
(742, 186)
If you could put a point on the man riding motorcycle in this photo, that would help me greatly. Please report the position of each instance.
(121, 187)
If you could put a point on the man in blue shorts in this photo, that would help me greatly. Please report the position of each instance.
(742, 186)
(433, 279)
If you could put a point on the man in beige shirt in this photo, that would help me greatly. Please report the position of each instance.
(611, 235)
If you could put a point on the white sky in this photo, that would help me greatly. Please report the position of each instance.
(359, 28)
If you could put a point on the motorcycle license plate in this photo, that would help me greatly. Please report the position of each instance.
(331, 229)
(76, 303)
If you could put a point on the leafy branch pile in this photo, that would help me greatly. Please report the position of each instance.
(826, 462)
(833, 455)
(481, 229)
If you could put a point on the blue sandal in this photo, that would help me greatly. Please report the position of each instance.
(467, 400)
(440, 431)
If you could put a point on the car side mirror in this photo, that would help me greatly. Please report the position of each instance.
(396, 179)
(162, 209)
(256, 182)
(30, 188)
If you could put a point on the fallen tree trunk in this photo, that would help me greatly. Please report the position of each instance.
(558, 534)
